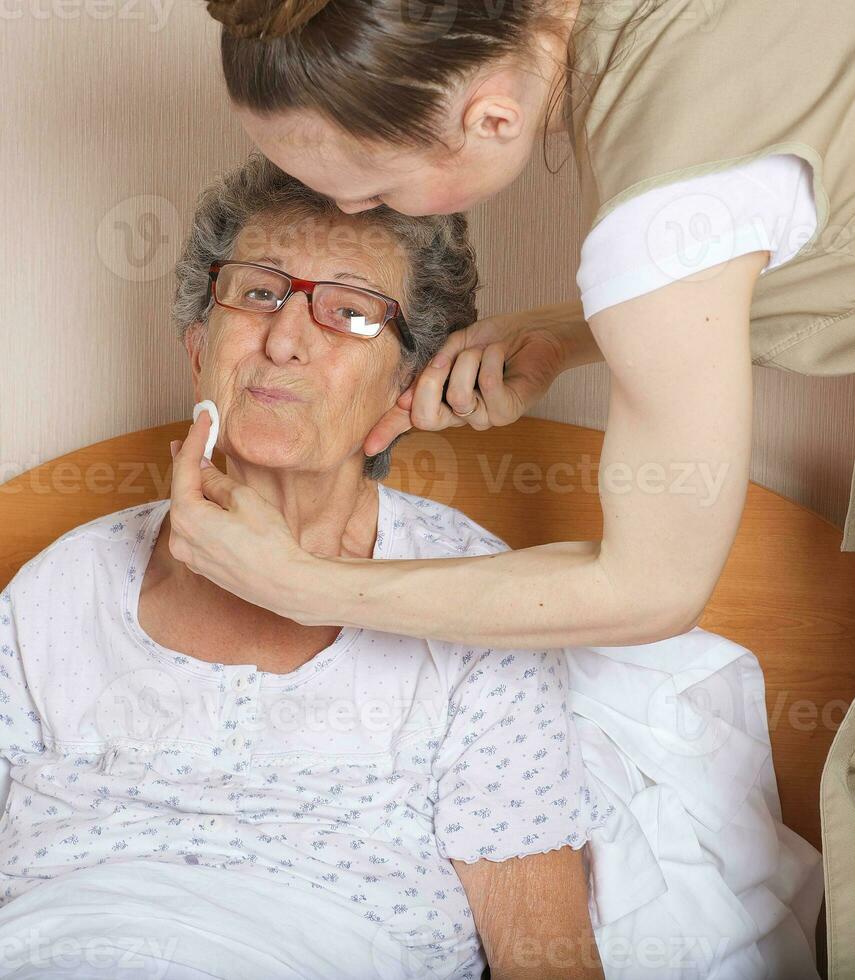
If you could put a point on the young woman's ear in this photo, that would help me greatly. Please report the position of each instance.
(493, 116)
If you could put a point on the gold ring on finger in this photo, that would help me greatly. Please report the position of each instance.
(464, 415)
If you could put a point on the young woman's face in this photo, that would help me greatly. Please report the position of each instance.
(488, 127)
(359, 176)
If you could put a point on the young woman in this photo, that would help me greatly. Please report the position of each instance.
(714, 144)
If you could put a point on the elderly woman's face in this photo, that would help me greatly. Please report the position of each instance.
(291, 393)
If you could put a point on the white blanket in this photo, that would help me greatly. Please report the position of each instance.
(699, 878)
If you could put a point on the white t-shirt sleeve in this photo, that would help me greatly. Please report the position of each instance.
(678, 230)
(509, 772)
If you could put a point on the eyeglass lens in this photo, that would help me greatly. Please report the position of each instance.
(340, 307)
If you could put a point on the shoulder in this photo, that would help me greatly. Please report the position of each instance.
(417, 527)
(82, 552)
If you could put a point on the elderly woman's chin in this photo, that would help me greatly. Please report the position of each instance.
(276, 443)
(271, 442)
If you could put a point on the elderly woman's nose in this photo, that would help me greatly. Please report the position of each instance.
(290, 329)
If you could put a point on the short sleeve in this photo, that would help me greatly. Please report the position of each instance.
(20, 722)
(509, 774)
(687, 226)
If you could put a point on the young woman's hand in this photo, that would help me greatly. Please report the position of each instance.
(499, 367)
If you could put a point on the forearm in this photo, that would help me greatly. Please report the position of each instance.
(567, 322)
(554, 595)
(532, 916)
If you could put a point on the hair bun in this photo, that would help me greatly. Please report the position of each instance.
(264, 18)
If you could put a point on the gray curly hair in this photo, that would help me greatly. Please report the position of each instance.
(440, 280)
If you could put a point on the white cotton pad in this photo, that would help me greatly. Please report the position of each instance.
(215, 424)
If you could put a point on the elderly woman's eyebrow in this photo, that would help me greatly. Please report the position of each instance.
(356, 275)
(345, 274)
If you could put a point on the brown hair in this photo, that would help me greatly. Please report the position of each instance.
(379, 69)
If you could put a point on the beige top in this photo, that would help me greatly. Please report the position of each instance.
(664, 90)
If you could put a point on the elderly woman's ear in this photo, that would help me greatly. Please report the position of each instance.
(194, 339)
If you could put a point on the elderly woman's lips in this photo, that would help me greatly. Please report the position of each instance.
(273, 395)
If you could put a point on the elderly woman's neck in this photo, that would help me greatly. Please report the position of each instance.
(330, 513)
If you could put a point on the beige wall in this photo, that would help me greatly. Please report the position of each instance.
(113, 118)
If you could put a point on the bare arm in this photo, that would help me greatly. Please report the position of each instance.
(673, 479)
(532, 916)
(567, 320)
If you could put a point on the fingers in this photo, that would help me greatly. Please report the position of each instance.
(428, 410)
(458, 378)
(460, 393)
(501, 403)
(406, 399)
(186, 471)
(395, 422)
(455, 342)
(219, 488)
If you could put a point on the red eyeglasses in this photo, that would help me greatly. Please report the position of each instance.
(254, 288)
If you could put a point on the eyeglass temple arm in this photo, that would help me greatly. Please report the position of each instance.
(213, 272)
(405, 329)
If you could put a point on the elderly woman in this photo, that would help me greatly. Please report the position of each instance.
(203, 788)
(200, 788)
